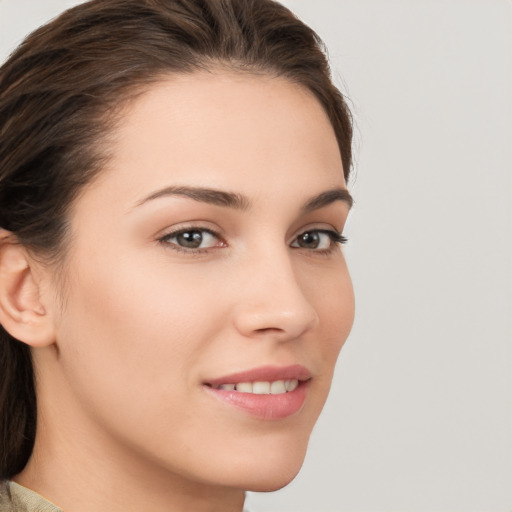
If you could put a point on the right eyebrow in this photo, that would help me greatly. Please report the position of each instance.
(328, 197)
(204, 195)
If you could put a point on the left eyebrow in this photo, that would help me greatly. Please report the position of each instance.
(204, 195)
(328, 197)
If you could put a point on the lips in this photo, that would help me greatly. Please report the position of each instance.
(269, 392)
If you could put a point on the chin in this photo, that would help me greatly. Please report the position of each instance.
(266, 461)
(272, 474)
(269, 483)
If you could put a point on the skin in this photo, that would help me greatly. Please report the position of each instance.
(124, 419)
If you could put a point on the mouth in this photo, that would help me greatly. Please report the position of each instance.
(268, 393)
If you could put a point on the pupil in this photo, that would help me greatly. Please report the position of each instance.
(309, 240)
(190, 239)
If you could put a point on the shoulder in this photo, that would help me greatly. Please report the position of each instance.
(16, 498)
(5, 498)
(6, 504)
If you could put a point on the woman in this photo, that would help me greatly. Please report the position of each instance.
(173, 296)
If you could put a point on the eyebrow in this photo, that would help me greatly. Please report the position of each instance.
(241, 202)
(328, 197)
(204, 195)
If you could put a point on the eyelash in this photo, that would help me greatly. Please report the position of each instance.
(335, 237)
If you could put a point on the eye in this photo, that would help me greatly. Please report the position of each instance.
(192, 239)
(318, 239)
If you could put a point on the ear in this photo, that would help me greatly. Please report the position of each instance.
(22, 314)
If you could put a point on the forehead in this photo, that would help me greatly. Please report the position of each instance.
(230, 130)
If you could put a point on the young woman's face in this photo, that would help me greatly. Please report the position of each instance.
(207, 296)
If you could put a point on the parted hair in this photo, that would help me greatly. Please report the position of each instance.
(61, 92)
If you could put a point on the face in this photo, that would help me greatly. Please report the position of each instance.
(207, 296)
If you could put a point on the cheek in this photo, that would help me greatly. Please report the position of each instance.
(338, 305)
(131, 334)
(332, 294)
(336, 308)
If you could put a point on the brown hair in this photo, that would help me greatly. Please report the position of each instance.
(60, 92)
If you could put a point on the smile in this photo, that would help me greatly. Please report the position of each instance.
(267, 393)
(276, 387)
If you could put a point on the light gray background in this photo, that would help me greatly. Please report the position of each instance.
(420, 416)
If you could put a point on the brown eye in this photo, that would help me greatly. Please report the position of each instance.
(318, 239)
(191, 239)
(309, 240)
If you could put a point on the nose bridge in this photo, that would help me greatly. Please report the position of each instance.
(273, 301)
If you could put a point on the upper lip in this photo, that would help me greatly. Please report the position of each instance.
(264, 374)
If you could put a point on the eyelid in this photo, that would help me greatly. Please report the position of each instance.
(191, 225)
(320, 227)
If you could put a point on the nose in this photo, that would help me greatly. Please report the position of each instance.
(273, 303)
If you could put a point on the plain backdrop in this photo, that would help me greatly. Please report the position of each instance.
(420, 415)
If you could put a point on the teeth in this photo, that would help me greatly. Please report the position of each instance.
(244, 387)
(261, 388)
(291, 384)
(277, 387)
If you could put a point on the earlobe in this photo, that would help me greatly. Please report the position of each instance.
(22, 313)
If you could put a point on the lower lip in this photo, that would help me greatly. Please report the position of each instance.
(266, 407)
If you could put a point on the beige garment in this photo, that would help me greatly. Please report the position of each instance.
(16, 498)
